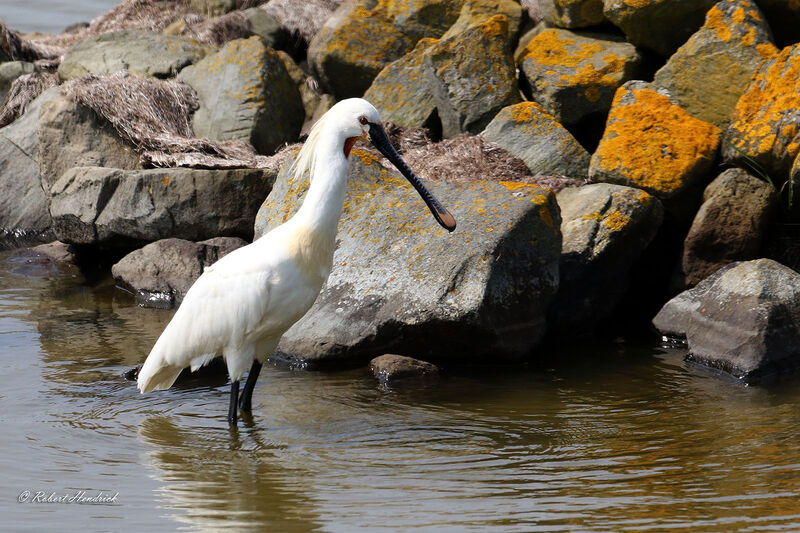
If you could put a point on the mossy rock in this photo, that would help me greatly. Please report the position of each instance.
(605, 229)
(574, 76)
(766, 123)
(402, 284)
(246, 93)
(472, 76)
(709, 73)
(363, 36)
(652, 143)
(659, 25)
(535, 136)
(572, 13)
(138, 51)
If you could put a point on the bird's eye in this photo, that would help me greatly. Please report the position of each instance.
(363, 120)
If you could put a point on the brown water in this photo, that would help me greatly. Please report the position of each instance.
(624, 439)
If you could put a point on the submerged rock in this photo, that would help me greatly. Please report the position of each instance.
(730, 225)
(138, 51)
(122, 208)
(402, 284)
(605, 229)
(535, 136)
(160, 273)
(245, 93)
(744, 319)
(392, 368)
(723, 54)
(24, 218)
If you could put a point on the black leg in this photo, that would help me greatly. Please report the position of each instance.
(232, 417)
(246, 401)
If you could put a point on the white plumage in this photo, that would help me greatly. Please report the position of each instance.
(241, 305)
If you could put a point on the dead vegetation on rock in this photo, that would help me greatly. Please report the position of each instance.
(23, 91)
(303, 19)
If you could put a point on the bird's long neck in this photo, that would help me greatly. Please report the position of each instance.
(322, 206)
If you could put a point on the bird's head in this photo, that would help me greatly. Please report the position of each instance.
(353, 119)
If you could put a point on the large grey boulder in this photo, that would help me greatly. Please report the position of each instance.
(24, 217)
(122, 208)
(472, 76)
(402, 284)
(160, 273)
(535, 136)
(744, 319)
(730, 225)
(605, 229)
(246, 93)
(73, 135)
(138, 51)
(724, 53)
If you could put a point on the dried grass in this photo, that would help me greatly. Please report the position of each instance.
(302, 18)
(16, 48)
(218, 30)
(23, 91)
(155, 117)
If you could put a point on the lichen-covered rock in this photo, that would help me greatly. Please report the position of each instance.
(138, 51)
(730, 225)
(605, 229)
(572, 13)
(574, 76)
(10, 71)
(652, 143)
(723, 54)
(532, 134)
(245, 93)
(160, 273)
(24, 218)
(400, 92)
(472, 76)
(766, 122)
(401, 284)
(476, 12)
(660, 25)
(392, 368)
(363, 36)
(744, 319)
(72, 135)
(123, 208)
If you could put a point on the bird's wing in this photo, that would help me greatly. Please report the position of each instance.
(227, 302)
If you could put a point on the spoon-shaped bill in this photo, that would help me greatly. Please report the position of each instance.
(381, 141)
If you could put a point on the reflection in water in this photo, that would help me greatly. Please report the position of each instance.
(621, 439)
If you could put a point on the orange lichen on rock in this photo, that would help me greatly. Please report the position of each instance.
(652, 143)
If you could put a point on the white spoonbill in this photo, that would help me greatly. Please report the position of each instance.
(241, 306)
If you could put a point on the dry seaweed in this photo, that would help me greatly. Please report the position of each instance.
(303, 19)
(218, 30)
(23, 91)
(14, 47)
(155, 117)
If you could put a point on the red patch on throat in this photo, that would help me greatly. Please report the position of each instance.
(348, 145)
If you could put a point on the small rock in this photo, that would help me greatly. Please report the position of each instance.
(10, 71)
(391, 368)
(572, 13)
(532, 134)
(723, 54)
(160, 273)
(605, 229)
(472, 77)
(730, 225)
(475, 12)
(575, 76)
(402, 284)
(652, 143)
(744, 319)
(59, 252)
(122, 208)
(138, 51)
(765, 125)
(245, 93)
(661, 27)
(73, 135)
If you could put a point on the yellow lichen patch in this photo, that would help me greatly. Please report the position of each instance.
(638, 4)
(526, 111)
(714, 21)
(550, 48)
(615, 220)
(165, 180)
(652, 142)
(515, 185)
(766, 50)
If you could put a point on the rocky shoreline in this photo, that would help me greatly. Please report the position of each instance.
(609, 162)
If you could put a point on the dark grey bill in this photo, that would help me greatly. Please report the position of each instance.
(381, 141)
